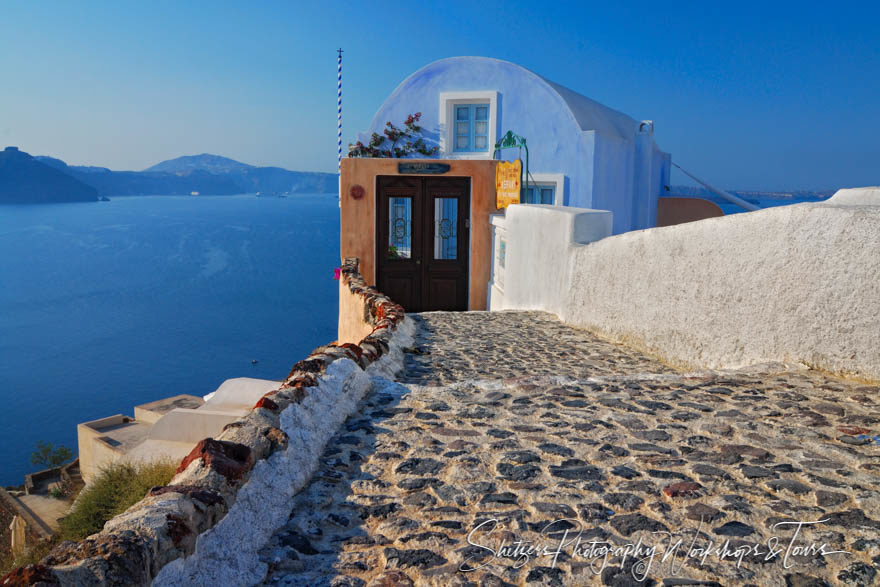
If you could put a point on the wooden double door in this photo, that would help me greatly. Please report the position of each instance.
(423, 237)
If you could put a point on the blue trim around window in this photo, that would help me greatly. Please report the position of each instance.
(471, 128)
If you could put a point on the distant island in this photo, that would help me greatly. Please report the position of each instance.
(25, 179)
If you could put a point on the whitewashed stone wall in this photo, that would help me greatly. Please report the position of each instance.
(797, 284)
(227, 554)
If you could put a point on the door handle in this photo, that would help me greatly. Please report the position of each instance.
(418, 261)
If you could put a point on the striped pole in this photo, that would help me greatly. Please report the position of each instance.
(339, 108)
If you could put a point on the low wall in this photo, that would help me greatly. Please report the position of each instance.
(354, 314)
(796, 283)
(231, 493)
(36, 529)
(186, 425)
(672, 210)
(537, 238)
(93, 451)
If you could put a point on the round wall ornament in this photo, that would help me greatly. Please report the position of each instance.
(356, 192)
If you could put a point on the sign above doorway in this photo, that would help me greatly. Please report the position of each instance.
(423, 168)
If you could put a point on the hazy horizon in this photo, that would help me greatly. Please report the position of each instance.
(783, 101)
(680, 179)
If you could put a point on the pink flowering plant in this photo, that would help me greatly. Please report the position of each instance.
(395, 142)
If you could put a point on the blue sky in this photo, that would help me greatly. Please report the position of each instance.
(750, 96)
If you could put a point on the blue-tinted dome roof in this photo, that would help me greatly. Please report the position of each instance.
(588, 114)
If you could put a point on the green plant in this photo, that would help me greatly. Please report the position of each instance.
(411, 143)
(31, 556)
(115, 489)
(49, 455)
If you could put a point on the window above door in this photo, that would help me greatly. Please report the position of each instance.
(469, 124)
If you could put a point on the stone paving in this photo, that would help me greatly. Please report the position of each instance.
(495, 345)
(518, 451)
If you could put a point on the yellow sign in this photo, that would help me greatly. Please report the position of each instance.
(507, 183)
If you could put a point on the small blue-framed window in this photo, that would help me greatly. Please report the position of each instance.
(471, 128)
(539, 194)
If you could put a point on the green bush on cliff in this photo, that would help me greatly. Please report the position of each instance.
(116, 488)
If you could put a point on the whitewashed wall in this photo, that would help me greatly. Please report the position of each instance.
(796, 283)
(538, 239)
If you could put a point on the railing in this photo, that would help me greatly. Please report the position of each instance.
(721, 193)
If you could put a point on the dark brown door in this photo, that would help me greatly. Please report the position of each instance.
(423, 234)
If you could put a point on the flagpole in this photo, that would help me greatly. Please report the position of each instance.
(339, 120)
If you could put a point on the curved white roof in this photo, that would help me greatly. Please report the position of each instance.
(587, 113)
(592, 115)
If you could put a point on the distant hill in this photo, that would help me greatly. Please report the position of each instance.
(59, 164)
(250, 178)
(206, 174)
(203, 162)
(146, 183)
(26, 180)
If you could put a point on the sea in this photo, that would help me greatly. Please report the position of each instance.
(107, 305)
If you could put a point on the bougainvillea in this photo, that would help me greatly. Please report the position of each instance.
(395, 141)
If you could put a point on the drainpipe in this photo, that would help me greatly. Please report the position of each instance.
(726, 195)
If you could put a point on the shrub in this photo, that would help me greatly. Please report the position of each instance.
(31, 556)
(115, 489)
(408, 137)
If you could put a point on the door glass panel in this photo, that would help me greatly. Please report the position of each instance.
(445, 228)
(400, 228)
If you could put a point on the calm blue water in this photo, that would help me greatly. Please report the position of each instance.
(108, 305)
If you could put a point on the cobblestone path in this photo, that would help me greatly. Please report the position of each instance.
(497, 345)
(546, 435)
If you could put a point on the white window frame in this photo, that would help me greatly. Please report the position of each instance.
(557, 180)
(448, 102)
